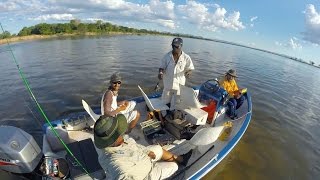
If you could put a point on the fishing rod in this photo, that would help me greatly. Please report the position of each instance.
(27, 86)
(174, 176)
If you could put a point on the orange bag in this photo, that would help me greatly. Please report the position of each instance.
(210, 109)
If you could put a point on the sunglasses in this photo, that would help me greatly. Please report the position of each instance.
(118, 82)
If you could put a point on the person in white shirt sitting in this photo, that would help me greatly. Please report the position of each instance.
(122, 158)
(110, 106)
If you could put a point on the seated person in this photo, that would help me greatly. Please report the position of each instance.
(111, 107)
(122, 158)
(236, 99)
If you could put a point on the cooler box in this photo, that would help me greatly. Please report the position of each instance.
(195, 116)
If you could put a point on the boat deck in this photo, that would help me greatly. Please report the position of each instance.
(203, 158)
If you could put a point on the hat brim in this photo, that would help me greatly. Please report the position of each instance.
(233, 75)
(116, 80)
(103, 142)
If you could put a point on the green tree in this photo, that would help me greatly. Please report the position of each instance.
(43, 29)
(24, 31)
(82, 28)
(5, 34)
(63, 28)
(74, 24)
(92, 28)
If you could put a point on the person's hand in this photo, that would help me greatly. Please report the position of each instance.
(122, 107)
(160, 75)
(187, 74)
(126, 103)
(152, 155)
(237, 94)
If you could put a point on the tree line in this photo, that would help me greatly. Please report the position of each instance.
(77, 27)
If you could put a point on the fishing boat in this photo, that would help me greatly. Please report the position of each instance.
(199, 121)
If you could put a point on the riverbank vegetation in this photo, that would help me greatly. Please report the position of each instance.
(76, 27)
(79, 28)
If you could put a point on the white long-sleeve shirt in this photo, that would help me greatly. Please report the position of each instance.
(174, 73)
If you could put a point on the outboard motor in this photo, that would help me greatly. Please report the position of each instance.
(19, 152)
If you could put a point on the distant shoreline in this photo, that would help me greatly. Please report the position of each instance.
(38, 37)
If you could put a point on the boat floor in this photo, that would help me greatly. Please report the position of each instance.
(201, 155)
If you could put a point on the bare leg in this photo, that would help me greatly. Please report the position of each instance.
(168, 156)
(183, 159)
(133, 123)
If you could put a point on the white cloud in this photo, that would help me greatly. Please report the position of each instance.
(59, 17)
(293, 43)
(207, 16)
(312, 22)
(197, 13)
(253, 18)
(92, 19)
(8, 6)
(277, 43)
(155, 11)
(19, 5)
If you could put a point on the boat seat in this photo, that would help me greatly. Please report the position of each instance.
(154, 104)
(92, 114)
(188, 98)
(85, 152)
(191, 107)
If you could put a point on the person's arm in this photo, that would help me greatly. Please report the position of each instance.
(162, 68)
(189, 64)
(189, 67)
(107, 105)
(236, 91)
(123, 103)
(163, 63)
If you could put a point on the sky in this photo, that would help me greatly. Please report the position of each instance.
(290, 27)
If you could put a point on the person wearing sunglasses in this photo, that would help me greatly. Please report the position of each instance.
(175, 67)
(110, 106)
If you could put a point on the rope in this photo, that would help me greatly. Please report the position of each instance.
(38, 105)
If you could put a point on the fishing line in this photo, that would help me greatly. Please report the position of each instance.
(38, 105)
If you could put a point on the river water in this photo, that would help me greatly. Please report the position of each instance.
(281, 142)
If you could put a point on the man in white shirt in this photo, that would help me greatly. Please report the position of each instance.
(122, 158)
(175, 67)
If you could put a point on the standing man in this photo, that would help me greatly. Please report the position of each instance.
(175, 67)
